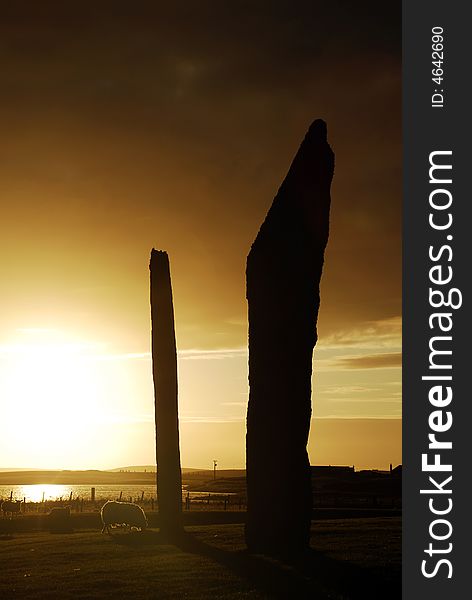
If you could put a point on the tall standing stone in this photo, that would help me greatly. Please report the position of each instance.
(164, 370)
(283, 276)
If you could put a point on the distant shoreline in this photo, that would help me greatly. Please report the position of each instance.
(100, 477)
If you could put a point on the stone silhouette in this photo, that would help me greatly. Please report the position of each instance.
(164, 370)
(283, 275)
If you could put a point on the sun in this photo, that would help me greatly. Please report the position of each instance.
(49, 390)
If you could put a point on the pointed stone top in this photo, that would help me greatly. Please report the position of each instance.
(314, 142)
(301, 206)
(318, 129)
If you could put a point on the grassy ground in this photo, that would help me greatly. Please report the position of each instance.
(351, 558)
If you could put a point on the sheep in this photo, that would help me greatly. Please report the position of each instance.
(116, 514)
(11, 507)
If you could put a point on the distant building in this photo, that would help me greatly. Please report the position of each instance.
(397, 471)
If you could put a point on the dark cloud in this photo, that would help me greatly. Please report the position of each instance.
(128, 125)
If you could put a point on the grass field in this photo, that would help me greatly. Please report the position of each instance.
(350, 559)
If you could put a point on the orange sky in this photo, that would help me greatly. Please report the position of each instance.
(125, 128)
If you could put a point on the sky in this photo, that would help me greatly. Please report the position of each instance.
(127, 126)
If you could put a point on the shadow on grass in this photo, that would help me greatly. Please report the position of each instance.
(138, 539)
(312, 575)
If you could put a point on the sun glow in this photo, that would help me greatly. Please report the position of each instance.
(42, 491)
(49, 388)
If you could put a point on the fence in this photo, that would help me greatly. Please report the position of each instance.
(201, 502)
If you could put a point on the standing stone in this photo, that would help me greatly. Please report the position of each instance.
(164, 370)
(283, 276)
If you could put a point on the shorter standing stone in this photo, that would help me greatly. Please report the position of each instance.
(164, 370)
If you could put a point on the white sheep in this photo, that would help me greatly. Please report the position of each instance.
(116, 514)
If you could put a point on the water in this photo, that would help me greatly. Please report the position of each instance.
(38, 492)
